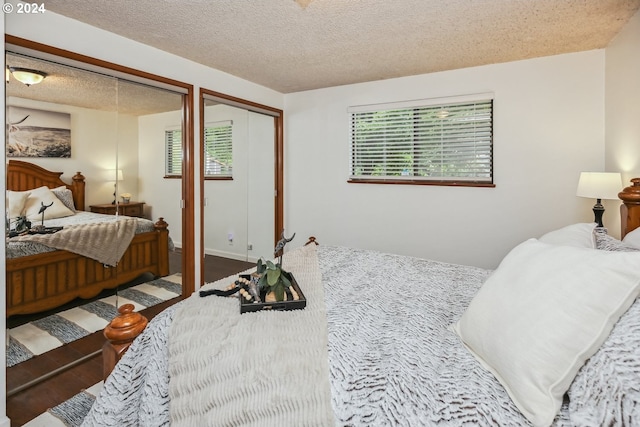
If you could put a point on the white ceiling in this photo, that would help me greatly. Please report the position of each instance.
(295, 45)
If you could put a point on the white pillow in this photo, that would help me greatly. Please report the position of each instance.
(46, 196)
(633, 238)
(542, 313)
(579, 235)
(15, 203)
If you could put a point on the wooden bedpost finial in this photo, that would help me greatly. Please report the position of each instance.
(311, 240)
(161, 224)
(631, 194)
(120, 333)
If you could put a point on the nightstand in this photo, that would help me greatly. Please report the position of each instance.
(128, 209)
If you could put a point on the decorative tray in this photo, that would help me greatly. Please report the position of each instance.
(247, 306)
(47, 230)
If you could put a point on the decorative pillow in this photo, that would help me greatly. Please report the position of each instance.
(579, 235)
(607, 243)
(15, 203)
(542, 313)
(633, 238)
(606, 391)
(66, 197)
(45, 195)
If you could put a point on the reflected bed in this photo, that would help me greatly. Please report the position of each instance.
(41, 281)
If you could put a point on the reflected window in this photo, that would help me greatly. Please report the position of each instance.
(218, 152)
(173, 144)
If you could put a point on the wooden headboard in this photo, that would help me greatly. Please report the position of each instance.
(22, 176)
(630, 208)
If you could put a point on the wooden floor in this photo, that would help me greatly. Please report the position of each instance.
(24, 405)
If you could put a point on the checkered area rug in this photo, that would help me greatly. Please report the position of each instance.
(45, 334)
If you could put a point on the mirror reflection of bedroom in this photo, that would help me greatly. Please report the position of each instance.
(89, 232)
(238, 164)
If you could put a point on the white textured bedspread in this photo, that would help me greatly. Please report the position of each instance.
(267, 368)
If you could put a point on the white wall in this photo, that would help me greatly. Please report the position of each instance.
(261, 200)
(548, 127)
(622, 105)
(162, 196)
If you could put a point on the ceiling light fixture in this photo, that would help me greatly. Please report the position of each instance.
(27, 76)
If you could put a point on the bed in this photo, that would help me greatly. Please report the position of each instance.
(37, 282)
(394, 340)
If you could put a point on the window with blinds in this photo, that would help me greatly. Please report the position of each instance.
(218, 153)
(218, 149)
(173, 144)
(424, 142)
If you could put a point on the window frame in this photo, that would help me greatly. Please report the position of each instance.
(412, 108)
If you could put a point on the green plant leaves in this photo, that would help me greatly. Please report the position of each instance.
(261, 267)
(278, 289)
(285, 280)
(273, 278)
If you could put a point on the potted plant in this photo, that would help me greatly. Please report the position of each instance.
(274, 281)
(22, 224)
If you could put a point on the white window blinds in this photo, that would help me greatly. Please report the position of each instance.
(173, 144)
(447, 142)
(218, 149)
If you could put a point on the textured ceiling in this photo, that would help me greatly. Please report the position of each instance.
(295, 45)
(71, 86)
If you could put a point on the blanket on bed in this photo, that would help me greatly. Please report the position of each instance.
(267, 368)
(105, 242)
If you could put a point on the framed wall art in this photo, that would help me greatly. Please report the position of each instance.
(38, 133)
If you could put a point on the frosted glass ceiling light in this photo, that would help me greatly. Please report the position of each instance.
(27, 76)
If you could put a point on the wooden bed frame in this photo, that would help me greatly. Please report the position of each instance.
(41, 282)
(630, 208)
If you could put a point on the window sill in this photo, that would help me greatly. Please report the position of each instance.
(423, 182)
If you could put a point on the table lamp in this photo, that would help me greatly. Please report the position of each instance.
(599, 185)
(119, 177)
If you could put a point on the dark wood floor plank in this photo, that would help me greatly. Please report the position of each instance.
(28, 404)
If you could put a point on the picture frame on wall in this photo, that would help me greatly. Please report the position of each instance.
(38, 133)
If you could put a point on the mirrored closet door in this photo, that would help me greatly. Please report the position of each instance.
(242, 175)
(107, 126)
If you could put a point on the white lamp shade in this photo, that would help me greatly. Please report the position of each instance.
(599, 185)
